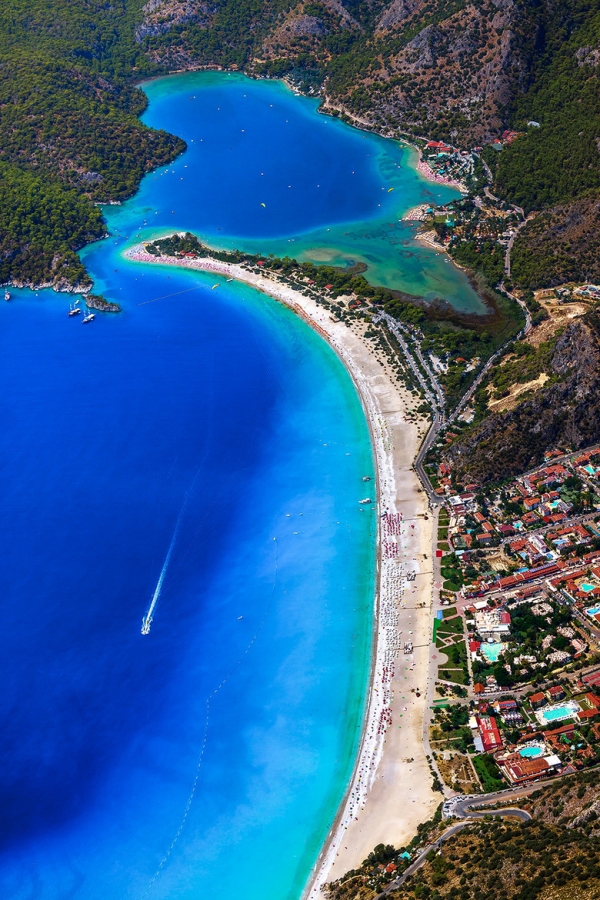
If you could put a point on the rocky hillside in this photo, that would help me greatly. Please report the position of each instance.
(430, 66)
(459, 70)
(556, 856)
(567, 412)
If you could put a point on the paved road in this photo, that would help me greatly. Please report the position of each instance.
(512, 240)
(432, 666)
(430, 437)
(468, 819)
(466, 807)
(468, 395)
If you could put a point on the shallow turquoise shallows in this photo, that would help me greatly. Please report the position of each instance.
(205, 448)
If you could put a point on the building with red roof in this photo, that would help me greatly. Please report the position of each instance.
(538, 700)
(488, 731)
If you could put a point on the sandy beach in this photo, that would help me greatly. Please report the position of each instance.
(391, 789)
(425, 169)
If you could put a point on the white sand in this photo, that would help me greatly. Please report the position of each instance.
(390, 792)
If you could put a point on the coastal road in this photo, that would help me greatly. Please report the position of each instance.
(422, 859)
(432, 668)
(470, 807)
(512, 240)
(434, 499)
(469, 818)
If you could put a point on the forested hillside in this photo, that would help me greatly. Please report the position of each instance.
(69, 130)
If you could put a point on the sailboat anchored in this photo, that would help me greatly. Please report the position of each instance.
(74, 309)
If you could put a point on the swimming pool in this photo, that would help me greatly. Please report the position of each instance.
(558, 713)
(586, 587)
(531, 752)
(593, 610)
(492, 651)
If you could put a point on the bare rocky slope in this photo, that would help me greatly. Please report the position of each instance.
(565, 413)
(421, 65)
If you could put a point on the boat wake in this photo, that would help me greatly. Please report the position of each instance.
(147, 620)
(208, 702)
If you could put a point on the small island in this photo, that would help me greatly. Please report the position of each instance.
(97, 301)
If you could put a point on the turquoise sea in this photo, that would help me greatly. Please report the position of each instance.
(212, 439)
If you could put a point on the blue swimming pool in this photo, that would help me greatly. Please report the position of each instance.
(593, 610)
(530, 752)
(492, 651)
(587, 587)
(558, 713)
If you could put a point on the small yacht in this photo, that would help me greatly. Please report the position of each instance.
(89, 317)
(7, 295)
(74, 310)
(366, 500)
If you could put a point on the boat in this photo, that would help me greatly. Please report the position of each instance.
(367, 478)
(240, 618)
(366, 500)
(89, 317)
(146, 623)
(230, 279)
(74, 310)
(7, 295)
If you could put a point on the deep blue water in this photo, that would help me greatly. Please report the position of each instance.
(208, 757)
(106, 429)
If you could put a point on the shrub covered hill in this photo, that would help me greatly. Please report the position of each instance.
(462, 70)
(555, 856)
(565, 412)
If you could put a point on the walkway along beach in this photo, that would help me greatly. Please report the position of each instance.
(390, 792)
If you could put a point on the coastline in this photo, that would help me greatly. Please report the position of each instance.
(421, 166)
(427, 172)
(389, 793)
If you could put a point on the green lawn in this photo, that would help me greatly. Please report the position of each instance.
(451, 626)
(451, 586)
(489, 773)
(456, 676)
